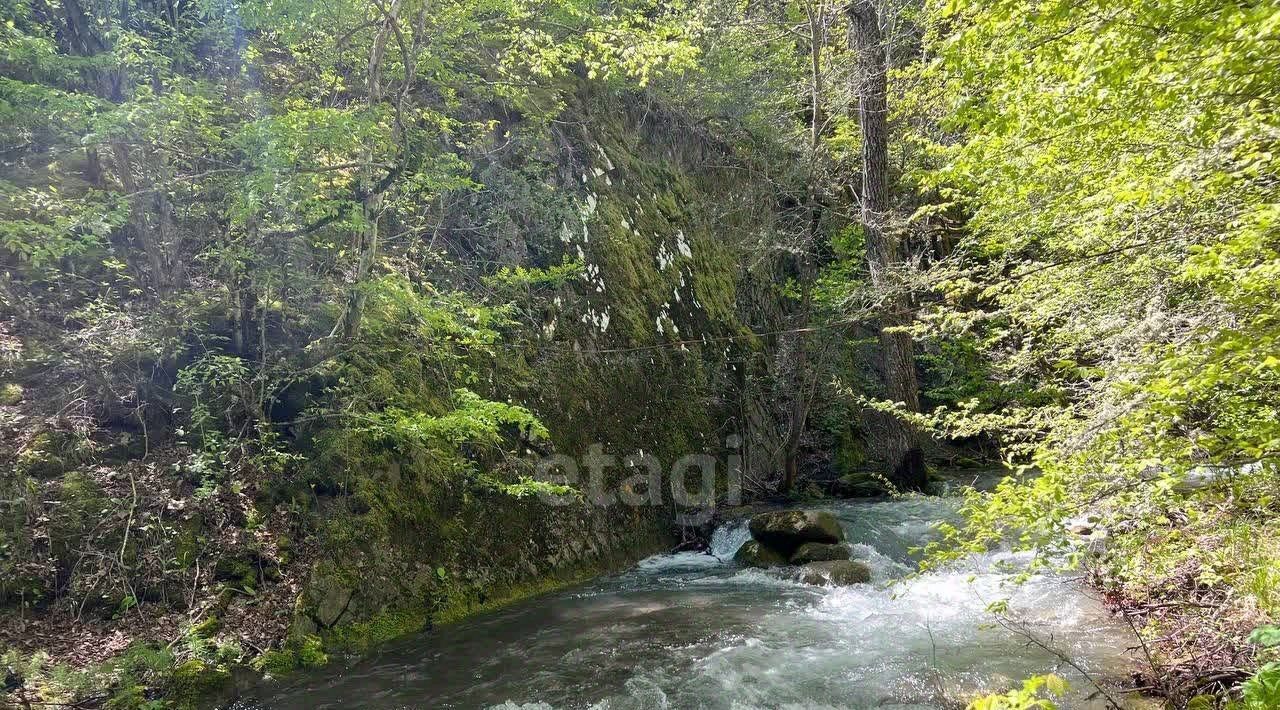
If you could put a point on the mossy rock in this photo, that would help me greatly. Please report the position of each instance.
(246, 570)
(332, 601)
(851, 451)
(187, 546)
(48, 455)
(308, 652)
(11, 394)
(196, 684)
(127, 697)
(359, 637)
(311, 653)
(753, 554)
(207, 628)
(840, 573)
(819, 552)
(75, 524)
(862, 484)
(786, 530)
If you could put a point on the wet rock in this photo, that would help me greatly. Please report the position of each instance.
(840, 573)
(786, 530)
(753, 554)
(819, 552)
(861, 484)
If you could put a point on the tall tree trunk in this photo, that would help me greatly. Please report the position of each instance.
(902, 446)
(807, 254)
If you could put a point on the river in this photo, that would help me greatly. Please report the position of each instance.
(694, 630)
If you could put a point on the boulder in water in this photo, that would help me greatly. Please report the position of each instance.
(840, 573)
(786, 530)
(862, 484)
(819, 552)
(753, 554)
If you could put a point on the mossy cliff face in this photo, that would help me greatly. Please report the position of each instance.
(647, 351)
(652, 349)
(491, 552)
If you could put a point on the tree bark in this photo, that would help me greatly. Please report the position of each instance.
(903, 452)
(806, 267)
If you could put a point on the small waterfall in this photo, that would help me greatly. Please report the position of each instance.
(727, 538)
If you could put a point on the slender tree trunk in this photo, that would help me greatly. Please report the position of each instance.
(367, 248)
(903, 453)
(140, 221)
(371, 207)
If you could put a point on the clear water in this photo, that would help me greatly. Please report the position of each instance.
(693, 630)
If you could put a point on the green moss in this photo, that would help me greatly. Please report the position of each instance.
(284, 548)
(10, 394)
(311, 653)
(81, 497)
(49, 454)
(276, 662)
(865, 483)
(121, 683)
(361, 636)
(464, 607)
(207, 628)
(196, 683)
(77, 516)
(850, 454)
(456, 605)
(128, 697)
(187, 545)
(238, 573)
(308, 653)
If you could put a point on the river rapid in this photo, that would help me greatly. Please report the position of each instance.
(695, 630)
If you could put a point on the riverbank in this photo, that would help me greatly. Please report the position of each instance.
(234, 636)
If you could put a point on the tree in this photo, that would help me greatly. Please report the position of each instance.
(903, 452)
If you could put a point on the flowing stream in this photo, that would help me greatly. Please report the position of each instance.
(694, 630)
